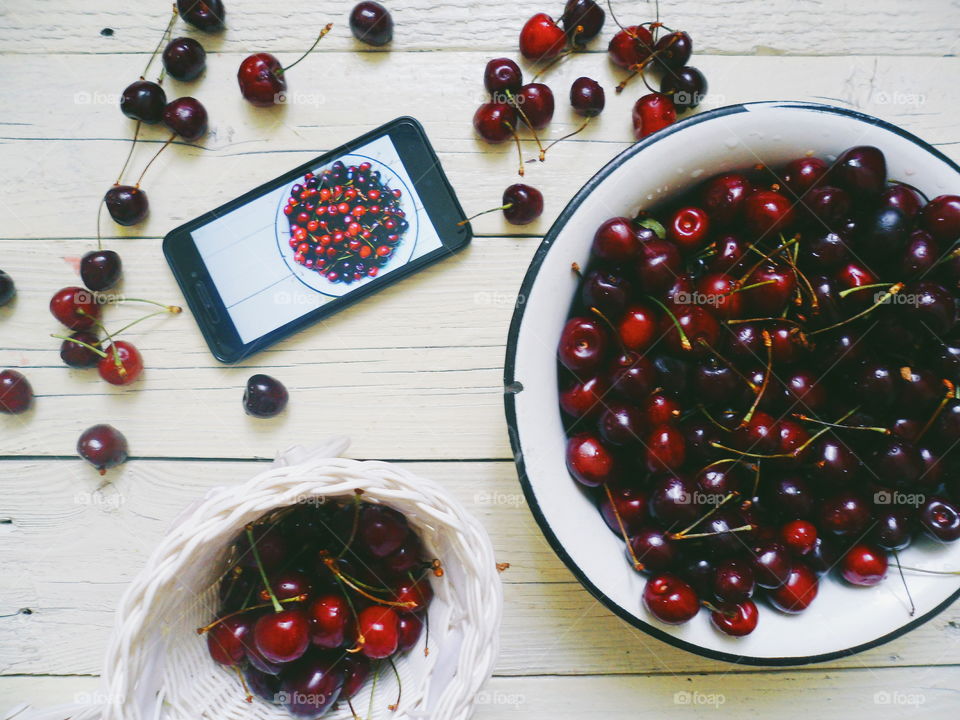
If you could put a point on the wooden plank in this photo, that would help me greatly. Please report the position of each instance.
(804, 27)
(70, 549)
(81, 140)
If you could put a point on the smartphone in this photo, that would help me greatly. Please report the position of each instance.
(316, 239)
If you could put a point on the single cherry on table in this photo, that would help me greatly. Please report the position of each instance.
(16, 394)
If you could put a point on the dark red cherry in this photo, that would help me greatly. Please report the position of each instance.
(796, 594)
(895, 462)
(804, 388)
(261, 684)
(790, 496)
(311, 687)
(629, 503)
(670, 599)
(405, 558)
(621, 424)
(583, 344)
(933, 305)
(186, 117)
(733, 581)
(774, 287)
(184, 58)
(854, 275)
(802, 174)
(522, 204)
(686, 86)
(941, 218)
(715, 383)
(864, 565)
(862, 170)
(903, 198)
(638, 327)
(356, 670)
(7, 288)
(371, 23)
(271, 546)
(630, 46)
(724, 197)
(767, 213)
(919, 256)
(883, 234)
(227, 641)
(206, 15)
(673, 50)
(605, 290)
(75, 307)
(845, 514)
(379, 628)
(261, 79)
(16, 395)
(653, 112)
(672, 501)
(826, 251)
(689, 228)
(409, 630)
(582, 21)
(100, 269)
(127, 204)
(330, 621)
(584, 399)
(587, 97)
(653, 548)
(664, 449)
(771, 565)
(264, 396)
(103, 446)
(143, 100)
(737, 620)
(632, 376)
(284, 636)
(495, 122)
(893, 530)
(382, 530)
(541, 39)
(940, 519)
(730, 251)
(700, 327)
(616, 241)
(759, 434)
(828, 205)
(658, 266)
(536, 104)
(78, 356)
(415, 596)
(588, 460)
(502, 76)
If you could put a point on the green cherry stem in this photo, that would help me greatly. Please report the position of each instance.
(277, 607)
(89, 347)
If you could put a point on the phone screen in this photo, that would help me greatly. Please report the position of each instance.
(317, 238)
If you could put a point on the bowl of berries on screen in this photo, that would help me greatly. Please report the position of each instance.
(732, 384)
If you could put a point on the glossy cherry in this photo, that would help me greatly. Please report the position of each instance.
(186, 117)
(143, 100)
(78, 356)
(227, 641)
(522, 204)
(75, 307)
(495, 122)
(206, 15)
(122, 365)
(583, 344)
(799, 536)
(541, 39)
(862, 170)
(941, 218)
(737, 620)
(100, 269)
(804, 173)
(864, 565)
(588, 460)
(264, 396)
(371, 23)
(378, 626)
(630, 47)
(940, 519)
(653, 112)
(796, 594)
(283, 636)
(687, 86)
(670, 599)
(587, 97)
(312, 686)
(7, 288)
(261, 79)
(767, 213)
(127, 204)
(381, 530)
(330, 621)
(582, 21)
(689, 228)
(673, 50)
(536, 105)
(103, 446)
(16, 395)
(502, 76)
(724, 196)
(184, 59)
(616, 240)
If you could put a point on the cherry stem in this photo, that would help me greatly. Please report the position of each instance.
(766, 257)
(516, 139)
(133, 143)
(277, 607)
(332, 564)
(936, 413)
(566, 137)
(684, 533)
(373, 689)
(393, 708)
(259, 606)
(163, 38)
(903, 579)
(523, 115)
(173, 309)
(326, 29)
(752, 385)
(129, 325)
(243, 683)
(768, 343)
(353, 529)
(98, 351)
(353, 710)
(637, 565)
(930, 572)
(858, 288)
(558, 58)
(805, 418)
(485, 212)
(794, 453)
(156, 155)
(897, 287)
(684, 340)
(696, 536)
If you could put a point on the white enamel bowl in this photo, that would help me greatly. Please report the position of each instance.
(843, 619)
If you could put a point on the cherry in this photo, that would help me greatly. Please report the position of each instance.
(184, 58)
(686, 86)
(790, 496)
(767, 212)
(271, 547)
(864, 565)
(629, 503)
(664, 449)
(583, 344)
(804, 173)
(796, 594)
(638, 328)
(313, 686)
(733, 581)
(495, 122)
(653, 112)
(588, 460)
(258, 661)
(862, 170)
(671, 500)
(621, 424)
(16, 395)
(582, 21)
(933, 305)
(330, 621)
(632, 377)
(502, 75)
(283, 636)
(845, 514)
(78, 356)
(940, 519)
(903, 198)
(920, 255)
(941, 218)
(100, 269)
(892, 530)
(103, 446)
(616, 241)
(264, 396)
(689, 228)
(122, 365)
(227, 641)
(541, 38)
(583, 399)
(356, 670)
(724, 196)
(371, 22)
(409, 629)
(522, 204)
(738, 619)
(206, 15)
(75, 307)
(658, 265)
(185, 117)
(127, 204)
(381, 530)
(261, 684)
(826, 252)
(143, 100)
(895, 462)
(587, 97)
(773, 287)
(830, 205)
(884, 233)
(673, 50)
(699, 326)
(414, 595)
(287, 585)
(771, 565)
(652, 548)
(605, 290)
(630, 47)
(536, 104)
(799, 536)
(729, 252)
(670, 599)
(7, 288)
(261, 79)
(379, 629)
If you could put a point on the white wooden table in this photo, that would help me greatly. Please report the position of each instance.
(415, 374)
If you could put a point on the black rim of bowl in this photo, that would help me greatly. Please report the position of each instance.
(511, 390)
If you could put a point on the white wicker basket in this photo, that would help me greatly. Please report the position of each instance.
(157, 668)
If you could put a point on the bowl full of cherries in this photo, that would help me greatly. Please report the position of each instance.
(733, 386)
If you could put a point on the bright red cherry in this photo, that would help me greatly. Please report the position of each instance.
(653, 112)
(689, 228)
(495, 122)
(261, 79)
(588, 460)
(536, 105)
(584, 399)
(16, 395)
(796, 594)
(75, 307)
(767, 213)
(629, 503)
(283, 636)
(103, 446)
(330, 621)
(583, 344)
(379, 628)
(670, 599)
(122, 365)
(664, 449)
(630, 47)
(800, 536)
(724, 196)
(541, 38)
(864, 565)
(736, 619)
(616, 241)
(638, 327)
(227, 641)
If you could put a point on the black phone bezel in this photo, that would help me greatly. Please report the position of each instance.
(439, 202)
